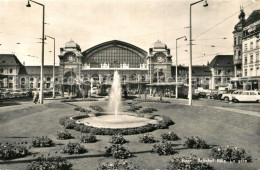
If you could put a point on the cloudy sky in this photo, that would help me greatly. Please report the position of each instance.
(139, 22)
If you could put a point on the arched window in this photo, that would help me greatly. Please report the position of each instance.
(48, 79)
(239, 54)
(235, 41)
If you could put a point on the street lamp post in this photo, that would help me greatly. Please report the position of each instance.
(42, 62)
(176, 69)
(190, 64)
(71, 82)
(53, 95)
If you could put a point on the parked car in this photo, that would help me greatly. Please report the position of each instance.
(17, 93)
(247, 96)
(228, 96)
(6, 93)
(25, 92)
(211, 94)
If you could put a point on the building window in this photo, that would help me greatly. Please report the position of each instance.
(245, 59)
(251, 71)
(251, 58)
(239, 40)
(235, 41)
(257, 43)
(228, 72)
(235, 54)
(31, 85)
(1, 70)
(10, 78)
(257, 71)
(11, 71)
(245, 72)
(251, 45)
(48, 79)
(31, 79)
(10, 85)
(257, 56)
(245, 47)
(239, 54)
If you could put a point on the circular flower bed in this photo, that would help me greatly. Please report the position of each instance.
(163, 123)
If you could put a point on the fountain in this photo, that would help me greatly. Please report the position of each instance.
(115, 94)
(116, 119)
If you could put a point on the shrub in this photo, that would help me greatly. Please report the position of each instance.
(150, 100)
(118, 139)
(197, 143)
(231, 153)
(147, 138)
(118, 152)
(148, 110)
(133, 108)
(170, 136)
(187, 163)
(97, 108)
(88, 138)
(62, 135)
(43, 141)
(10, 151)
(74, 148)
(77, 108)
(78, 100)
(50, 163)
(166, 148)
(117, 166)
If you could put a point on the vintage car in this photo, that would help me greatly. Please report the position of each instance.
(228, 96)
(247, 96)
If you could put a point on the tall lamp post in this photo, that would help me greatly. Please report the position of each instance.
(176, 69)
(53, 95)
(42, 62)
(190, 64)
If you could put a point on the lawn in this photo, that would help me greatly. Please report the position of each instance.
(217, 127)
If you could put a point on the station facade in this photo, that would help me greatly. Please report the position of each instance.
(95, 66)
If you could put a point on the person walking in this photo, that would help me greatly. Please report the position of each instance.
(35, 96)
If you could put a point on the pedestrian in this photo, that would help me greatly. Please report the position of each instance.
(36, 96)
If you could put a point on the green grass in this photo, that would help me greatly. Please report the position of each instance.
(215, 126)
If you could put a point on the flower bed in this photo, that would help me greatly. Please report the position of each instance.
(88, 138)
(162, 124)
(78, 100)
(118, 152)
(97, 108)
(187, 163)
(118, 139)
(171, 136)
(150, 100)
(81, 109)
(147, 138)
(43, 141)
(63, 135)
(74, 148)
(196, 143)
(231, 153)
(148, 110)
(117, 165)
(133, 108)
(166, 148)
(10, 151)
(49, 163)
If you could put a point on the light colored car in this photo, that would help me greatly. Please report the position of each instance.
(228, 96)
(247, 96)
(17, 93)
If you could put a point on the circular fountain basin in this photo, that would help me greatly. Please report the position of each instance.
(116, 122)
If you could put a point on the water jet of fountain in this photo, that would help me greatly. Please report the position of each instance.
(115, 94)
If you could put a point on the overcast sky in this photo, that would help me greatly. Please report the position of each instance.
(138, 22)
